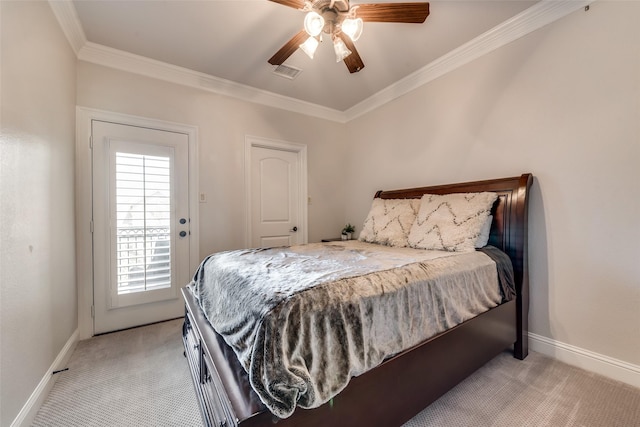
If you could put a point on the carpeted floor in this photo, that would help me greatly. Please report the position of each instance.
(140, 378)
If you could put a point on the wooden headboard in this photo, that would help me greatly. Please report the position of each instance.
(508, 230)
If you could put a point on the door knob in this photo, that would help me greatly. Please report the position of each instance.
(183, 233)
(183, 221)
(294, 229)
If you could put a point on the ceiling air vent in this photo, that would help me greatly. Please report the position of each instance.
(286, 71)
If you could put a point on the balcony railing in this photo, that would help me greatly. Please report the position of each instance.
(143, 258)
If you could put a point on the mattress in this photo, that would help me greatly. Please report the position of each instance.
(304, 320)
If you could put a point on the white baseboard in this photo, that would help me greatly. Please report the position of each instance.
(30, 409)
(604, 365)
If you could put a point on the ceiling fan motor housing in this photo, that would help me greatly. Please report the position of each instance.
(337, 5)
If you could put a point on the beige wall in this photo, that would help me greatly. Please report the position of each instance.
(223, 124)
(37, 252)
(562, 103)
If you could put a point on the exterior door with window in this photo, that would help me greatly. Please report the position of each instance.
(141, 224)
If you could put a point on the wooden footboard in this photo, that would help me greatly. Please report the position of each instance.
(399, 388)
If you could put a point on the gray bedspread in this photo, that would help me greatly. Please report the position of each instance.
(305, 319)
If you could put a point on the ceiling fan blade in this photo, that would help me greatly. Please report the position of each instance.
(414, 13)
(296, 4)
(353, 62)
(289, 47)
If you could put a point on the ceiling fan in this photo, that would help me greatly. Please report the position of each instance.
(343, 23)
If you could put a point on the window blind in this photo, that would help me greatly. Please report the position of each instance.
(143, 222)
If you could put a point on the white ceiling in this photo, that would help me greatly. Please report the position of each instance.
(232, 40)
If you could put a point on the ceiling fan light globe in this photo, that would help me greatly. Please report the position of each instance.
(341, 49)
(353, 28)
(313, 23)
(310, 46)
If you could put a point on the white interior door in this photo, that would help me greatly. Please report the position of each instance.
(141, 224)
(277, 196)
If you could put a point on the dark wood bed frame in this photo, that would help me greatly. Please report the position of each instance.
(403, 385)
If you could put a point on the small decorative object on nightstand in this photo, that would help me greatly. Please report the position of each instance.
(347, 232)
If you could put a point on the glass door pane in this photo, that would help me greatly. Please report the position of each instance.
(143, 222)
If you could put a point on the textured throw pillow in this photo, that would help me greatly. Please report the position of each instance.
(389, 221)
(452, 222)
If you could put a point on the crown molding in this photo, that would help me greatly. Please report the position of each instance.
(537, 16)
(68, 19)
(531, 19)
(125, 61)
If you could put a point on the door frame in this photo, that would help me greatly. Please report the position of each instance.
(274, 144)
(84, 200)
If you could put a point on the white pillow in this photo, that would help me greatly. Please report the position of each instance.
(485, 231)
(389, 221)
(452, 222)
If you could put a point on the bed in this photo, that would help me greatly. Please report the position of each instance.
(399, 387)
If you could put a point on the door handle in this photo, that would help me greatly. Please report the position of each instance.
(183, 233)
(294, 229)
